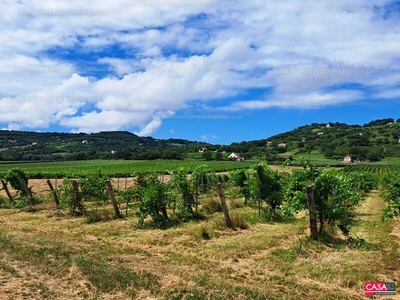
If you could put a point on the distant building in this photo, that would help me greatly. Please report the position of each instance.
(328, 126)
(347, 158)
(235, 156)
(84, 141)
(269, 144)
(320, 133)
(34, 144)
(204, 149)
(282, 145)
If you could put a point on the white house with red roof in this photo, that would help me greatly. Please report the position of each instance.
(347, 158)
(235, 156)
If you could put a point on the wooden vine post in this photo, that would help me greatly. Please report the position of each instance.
(113, 201)
(54, 193)
(28, 192)
(78, 198)
(7, 191)
(313, 215)
(228, 220)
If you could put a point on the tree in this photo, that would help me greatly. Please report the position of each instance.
(218, 156)
(207, 155)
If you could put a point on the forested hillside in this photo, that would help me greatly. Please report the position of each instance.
(31, 146)
(372, 141)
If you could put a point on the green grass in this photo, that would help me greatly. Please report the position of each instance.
(117, 167)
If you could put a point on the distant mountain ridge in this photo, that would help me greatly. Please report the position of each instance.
(23, 145)
(372, 141)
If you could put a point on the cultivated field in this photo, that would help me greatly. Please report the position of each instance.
(47, 254)
(41, 188)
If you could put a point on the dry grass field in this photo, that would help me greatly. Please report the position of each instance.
(47, 254)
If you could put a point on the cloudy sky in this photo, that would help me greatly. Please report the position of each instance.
(220, 71)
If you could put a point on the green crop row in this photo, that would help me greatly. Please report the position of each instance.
(378, 169)
(116, 168)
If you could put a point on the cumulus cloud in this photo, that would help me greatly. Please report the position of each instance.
(157, 60)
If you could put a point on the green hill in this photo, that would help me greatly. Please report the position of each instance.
(324, 142)
(369, 142)
(34, 146)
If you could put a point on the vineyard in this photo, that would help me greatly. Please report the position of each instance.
(114, 168)
(378, 169)
(247, 233)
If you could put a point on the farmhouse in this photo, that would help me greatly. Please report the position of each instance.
(204, 149)
(235, 156)
(347, 158)
(269, 144)
(282, 145)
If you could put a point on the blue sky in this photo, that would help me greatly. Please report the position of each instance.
(219, 71)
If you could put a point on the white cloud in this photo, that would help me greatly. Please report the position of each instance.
(164, 48)
(304, 101)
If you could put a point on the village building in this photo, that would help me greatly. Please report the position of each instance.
(347, 158)
(235, 156)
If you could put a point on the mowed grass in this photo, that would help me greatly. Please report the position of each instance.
(47, 254)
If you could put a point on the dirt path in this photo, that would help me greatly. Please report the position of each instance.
(375, 233)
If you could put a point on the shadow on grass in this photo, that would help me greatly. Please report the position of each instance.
(353, 242)
(174, 221)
